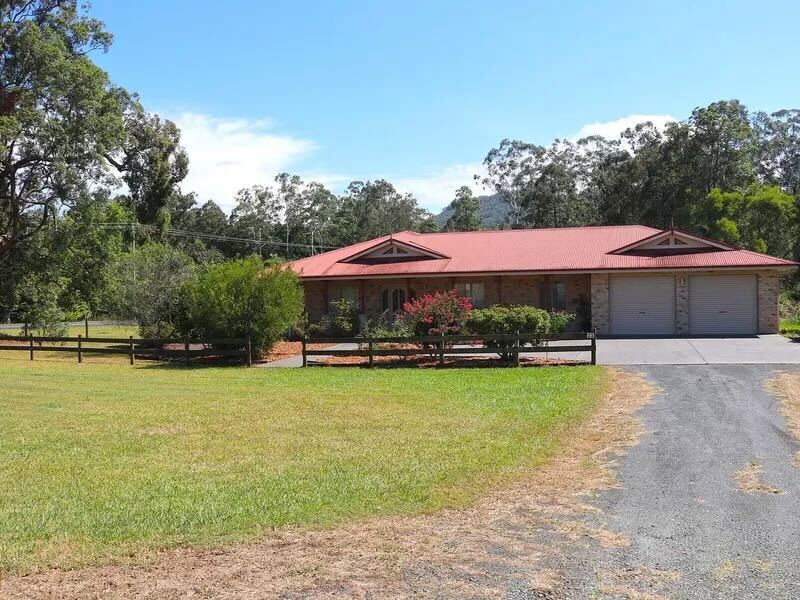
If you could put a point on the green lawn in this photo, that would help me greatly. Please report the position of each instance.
(101, 462)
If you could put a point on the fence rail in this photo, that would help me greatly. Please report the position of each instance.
(509, 345)
(151, 348)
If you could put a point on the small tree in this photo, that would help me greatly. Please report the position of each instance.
(243, 298)
(435, 314)
(147, 287)
(39, 306)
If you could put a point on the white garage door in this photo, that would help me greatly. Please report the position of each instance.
(642, 305)
(723, 304)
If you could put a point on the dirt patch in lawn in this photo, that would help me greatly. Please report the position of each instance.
(786, 388)
(471, 552)
(749, 480)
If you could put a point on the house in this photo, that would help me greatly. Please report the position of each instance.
(627, 280)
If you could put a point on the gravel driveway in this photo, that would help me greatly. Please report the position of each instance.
(694, 533)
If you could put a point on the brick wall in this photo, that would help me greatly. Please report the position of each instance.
(599, 300)
(497, 290)
(769, 289)
(513, 289)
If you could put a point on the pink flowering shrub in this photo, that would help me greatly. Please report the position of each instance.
(436, 314)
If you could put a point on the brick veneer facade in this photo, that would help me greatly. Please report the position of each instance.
(498, 289)
(525, 289)
(768, 292)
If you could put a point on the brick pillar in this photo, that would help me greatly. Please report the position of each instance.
(682, 304)
(600, 302)
(768, 291)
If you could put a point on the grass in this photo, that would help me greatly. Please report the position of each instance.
(111, 331)
(104, 462)
(790, 328)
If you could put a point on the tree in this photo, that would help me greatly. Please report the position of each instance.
(512, 169)
(59, 116)
(243, 298)
(761, 218)
(779, 149)
(466, 212)
(148, 285)
(151, 161)
(372, 209)
(84, 248)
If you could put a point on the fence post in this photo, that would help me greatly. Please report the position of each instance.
(130, 348)
(26, 329)
(31, 341)
(249, 352)
(186, 351)
(594, 345)
(516, 349)
(371, 357)
(86, 324)
(80, 358)
(305, 358)
(441, 351)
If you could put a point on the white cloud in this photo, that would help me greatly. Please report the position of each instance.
(612, 129)
(437, 189)
(226, 155)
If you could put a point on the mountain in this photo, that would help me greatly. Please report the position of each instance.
(493, 212)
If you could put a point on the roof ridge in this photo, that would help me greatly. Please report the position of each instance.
(528, 229)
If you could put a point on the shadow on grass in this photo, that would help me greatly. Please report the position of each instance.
(477, 363)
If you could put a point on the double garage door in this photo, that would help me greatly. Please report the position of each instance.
(718, 305)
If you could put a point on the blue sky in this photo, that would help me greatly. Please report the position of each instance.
(418, 92)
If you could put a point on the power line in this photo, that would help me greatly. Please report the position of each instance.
(213, 236)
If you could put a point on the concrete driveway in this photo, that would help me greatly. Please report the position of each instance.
(764, 349)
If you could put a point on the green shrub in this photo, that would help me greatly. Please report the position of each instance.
(243, 298)
(527, 320)
(148, 286)
(40, 308)
(385, 327)
(343, 319)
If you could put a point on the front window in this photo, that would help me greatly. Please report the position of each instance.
(473, 291)
(393, 300)
(553, 295)
(344, 292)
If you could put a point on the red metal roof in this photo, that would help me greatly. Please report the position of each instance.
(524, 250)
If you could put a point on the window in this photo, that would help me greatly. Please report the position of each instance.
(553, 295)
(473, 291)
(393, 300)
(559, 295)
(344, 292)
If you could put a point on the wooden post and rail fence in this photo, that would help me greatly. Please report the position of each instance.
(147, 348)
(507, 345)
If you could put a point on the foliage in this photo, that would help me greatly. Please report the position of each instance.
(761, 218)
(147, 287)
(151, 161)
(58, 115)
(343, 318)
(384, 326)
(492, 212)
(522, 319)
(240, 299)
(39, 305)
(256, 449)
(372, 209)
(466, 212)
(440, 313)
